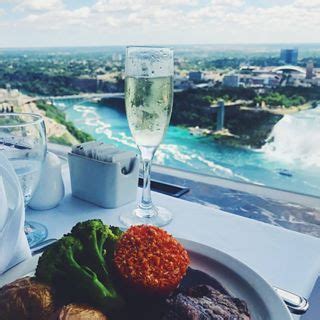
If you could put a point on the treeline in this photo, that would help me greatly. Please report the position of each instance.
(190, 106)
(38, 83)
(59, 116)
(309, 94)
(249, 128)
(288, 96)
(54, 85)
(235, 63)
(275, 99)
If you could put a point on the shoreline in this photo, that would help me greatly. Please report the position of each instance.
(58, 129)
(204, 155)
(245, 127)
(236, 132)
(224, 136)
(290, 110)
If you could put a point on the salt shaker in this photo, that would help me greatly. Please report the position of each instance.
(50, 190)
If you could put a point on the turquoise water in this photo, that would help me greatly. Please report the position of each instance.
(199, 154)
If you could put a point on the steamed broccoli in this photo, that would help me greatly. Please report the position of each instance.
(76, 266)
(99, 240)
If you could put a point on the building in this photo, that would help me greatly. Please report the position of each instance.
(181, 82)
(309, 70)
(260, 81)
(195, 75)
(231, 80)
(289, 56)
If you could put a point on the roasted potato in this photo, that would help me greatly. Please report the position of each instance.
(26, 299)
(79, 312)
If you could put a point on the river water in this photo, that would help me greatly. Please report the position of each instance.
(275, 165)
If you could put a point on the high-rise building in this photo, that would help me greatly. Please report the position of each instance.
(289, 56)
(309, 70)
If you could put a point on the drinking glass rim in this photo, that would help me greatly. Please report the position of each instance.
(37, 119)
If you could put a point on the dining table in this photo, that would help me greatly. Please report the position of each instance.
(284, 258)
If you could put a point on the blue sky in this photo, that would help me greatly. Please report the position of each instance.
(25, 23)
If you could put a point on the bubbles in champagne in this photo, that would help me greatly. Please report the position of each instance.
(149, 105)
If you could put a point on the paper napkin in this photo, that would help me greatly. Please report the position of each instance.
(14, 246)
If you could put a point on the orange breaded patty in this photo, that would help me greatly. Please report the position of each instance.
(150, 260)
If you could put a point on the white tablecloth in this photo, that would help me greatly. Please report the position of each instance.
(286, 259)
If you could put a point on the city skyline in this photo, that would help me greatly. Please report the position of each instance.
(37, 23)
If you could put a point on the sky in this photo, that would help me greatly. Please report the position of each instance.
(45, 23)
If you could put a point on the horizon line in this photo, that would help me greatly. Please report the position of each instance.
(167, 44)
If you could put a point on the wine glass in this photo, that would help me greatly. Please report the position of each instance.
(23, 141)
(148, 99)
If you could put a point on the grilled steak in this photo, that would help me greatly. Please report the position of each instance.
(203, 302)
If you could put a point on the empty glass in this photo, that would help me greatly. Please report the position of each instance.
(23, 140)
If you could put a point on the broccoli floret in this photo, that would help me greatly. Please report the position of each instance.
(99, 241)
(117, 232)
(75, 266)
(110, 245)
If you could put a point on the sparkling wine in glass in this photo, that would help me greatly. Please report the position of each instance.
(23, 142)
(148, 99)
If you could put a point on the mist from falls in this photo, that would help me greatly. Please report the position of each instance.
(295, 139)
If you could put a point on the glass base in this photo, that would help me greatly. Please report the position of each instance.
(156, 216)
(35, 233)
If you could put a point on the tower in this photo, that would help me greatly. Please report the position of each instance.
(309, 70)
(289, 56)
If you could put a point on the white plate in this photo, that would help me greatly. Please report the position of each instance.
(237, 278)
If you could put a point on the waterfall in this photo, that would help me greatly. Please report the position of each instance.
(295, 139)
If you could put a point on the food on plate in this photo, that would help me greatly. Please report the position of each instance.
(78, 312)
(26, 299)
(203, 302)
(76, 266)
(150, 260)
(98, 272)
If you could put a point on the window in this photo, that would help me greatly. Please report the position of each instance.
(247, 112)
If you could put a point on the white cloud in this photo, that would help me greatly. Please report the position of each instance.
(307, 3)
(228, 3)
(135, 5)
(116, 5)
(177, 21)
(59, 19)
(113, 13)
(38, 5)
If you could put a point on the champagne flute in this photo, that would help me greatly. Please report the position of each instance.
(148, 99)
(23, 142)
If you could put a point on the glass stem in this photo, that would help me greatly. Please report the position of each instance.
(146, 202)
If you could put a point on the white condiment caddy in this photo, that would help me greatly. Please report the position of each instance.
(110, 183)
